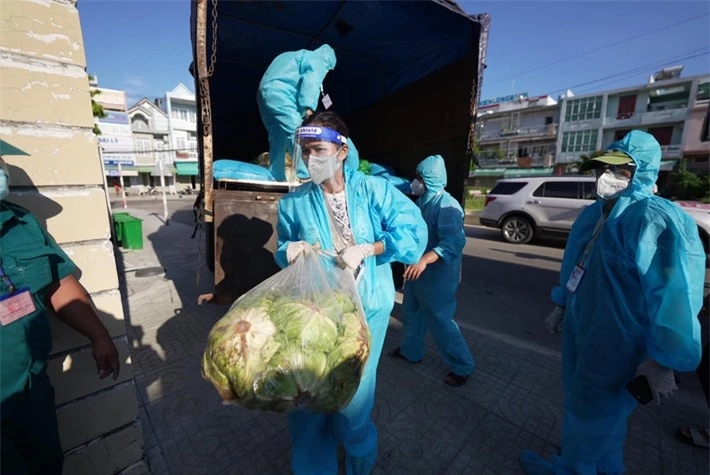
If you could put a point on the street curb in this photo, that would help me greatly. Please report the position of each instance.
(472, 218)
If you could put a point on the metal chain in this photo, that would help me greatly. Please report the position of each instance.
(206, 103)
(471, 128)
(213, 57)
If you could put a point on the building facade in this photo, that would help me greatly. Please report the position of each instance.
(180, 107)
(116, 138)
(151, 139)
(696, 138)
(46, 111)
(664, 107)
(517, 137)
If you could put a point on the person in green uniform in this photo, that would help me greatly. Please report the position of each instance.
(35, 278)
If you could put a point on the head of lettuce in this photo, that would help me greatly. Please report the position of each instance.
(279, 352)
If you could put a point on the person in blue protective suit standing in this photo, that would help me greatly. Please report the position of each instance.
(630, 289)
(369, 224)
(287, 94)
(430, 291)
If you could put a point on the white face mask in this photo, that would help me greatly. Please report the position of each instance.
(418, 188)
(323, 168)
(610, 185)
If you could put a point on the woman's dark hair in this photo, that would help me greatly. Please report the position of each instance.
(328, 119)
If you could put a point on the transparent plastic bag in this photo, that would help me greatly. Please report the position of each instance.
(299, 339)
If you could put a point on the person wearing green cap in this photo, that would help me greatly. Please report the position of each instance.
(35, 278)
(630, 288)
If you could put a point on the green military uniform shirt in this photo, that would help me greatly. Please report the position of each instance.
(31, 259)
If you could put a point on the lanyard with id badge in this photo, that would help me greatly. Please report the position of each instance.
(579, 269)
(14, 303)
(325, 99)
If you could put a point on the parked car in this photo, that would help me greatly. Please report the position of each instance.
(700, 213)
(523, 208)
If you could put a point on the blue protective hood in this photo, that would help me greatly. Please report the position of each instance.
(327, 54)
(433, 171)
(644, 149)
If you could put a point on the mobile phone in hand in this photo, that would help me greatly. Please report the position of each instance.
(640, 389)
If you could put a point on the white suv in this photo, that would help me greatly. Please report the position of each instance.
(525, 207)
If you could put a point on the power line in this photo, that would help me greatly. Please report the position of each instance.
(610, 45)
(627, 76)
(636, 70)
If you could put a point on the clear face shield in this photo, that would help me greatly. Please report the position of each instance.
(321, 151)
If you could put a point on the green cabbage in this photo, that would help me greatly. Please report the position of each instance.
(278, 353)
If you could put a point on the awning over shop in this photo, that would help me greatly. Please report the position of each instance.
(125, 170)
(668, 165)
(520, 172)
(187, 168)
(488, 172)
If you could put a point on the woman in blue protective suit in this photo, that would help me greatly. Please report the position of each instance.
(630, 289)
(287, 94)
(369, 224)
(430, 293)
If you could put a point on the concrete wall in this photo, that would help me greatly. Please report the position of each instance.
(676, 138)
(46, 111)
(537, 118)
(111, 99)
(694, 125)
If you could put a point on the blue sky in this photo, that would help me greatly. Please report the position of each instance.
(144, 47)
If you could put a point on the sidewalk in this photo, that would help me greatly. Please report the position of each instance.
(513, 401)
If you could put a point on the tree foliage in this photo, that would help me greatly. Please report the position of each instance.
(687, 185)
(96, 108)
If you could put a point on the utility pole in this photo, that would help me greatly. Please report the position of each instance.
(123, 188)
(162, 186)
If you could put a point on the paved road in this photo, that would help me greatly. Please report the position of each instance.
(505, 288)
(179, 209)
(513, 400)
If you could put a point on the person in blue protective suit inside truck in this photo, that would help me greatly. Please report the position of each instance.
(369, 224)
(630, 289)
(430, 291)
(288, 93)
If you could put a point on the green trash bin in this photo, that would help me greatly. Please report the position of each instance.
(118, 219)
(132, 233)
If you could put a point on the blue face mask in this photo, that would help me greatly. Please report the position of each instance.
(4, 184)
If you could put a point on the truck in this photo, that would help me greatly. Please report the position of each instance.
(407, 82)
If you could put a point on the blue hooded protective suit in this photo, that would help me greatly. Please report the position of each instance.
(378, 212)
(638, 299)
(292, 84)
(430, 301)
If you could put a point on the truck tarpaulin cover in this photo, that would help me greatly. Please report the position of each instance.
(381, 47)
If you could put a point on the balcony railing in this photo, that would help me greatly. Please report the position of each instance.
(644, 118)
(186, 155)
(517, 162)
(671, 151)
(549, 130)
(668, 115)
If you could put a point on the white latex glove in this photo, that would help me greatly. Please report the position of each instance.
(660, 379)
(295, 249)
(554, 321)
(351, 257)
